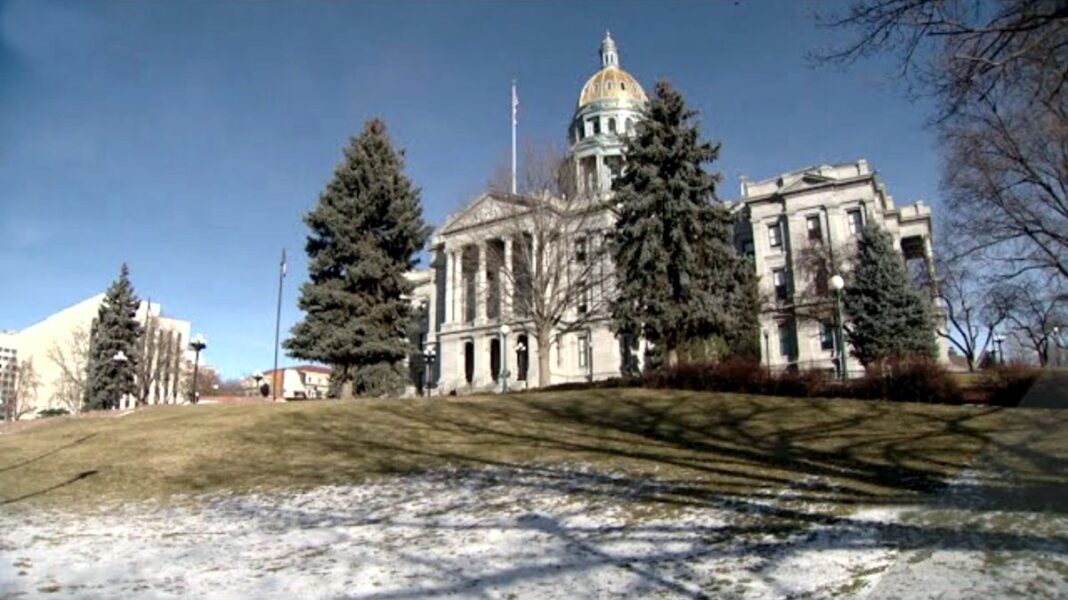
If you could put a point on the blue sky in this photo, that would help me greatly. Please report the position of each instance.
(189, 138)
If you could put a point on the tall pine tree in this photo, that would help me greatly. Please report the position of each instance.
(679, 278)
(890, 318)
(114, 330)
(365, 233)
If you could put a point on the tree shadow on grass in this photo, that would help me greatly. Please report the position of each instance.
(45, 490)
(781, 469)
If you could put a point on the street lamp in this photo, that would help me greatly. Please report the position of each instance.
(428, 361)
(198, 344)
(119, 359)
(998, 341)
(838, 284)
(505, 330)
(258, 377)
(521, 362)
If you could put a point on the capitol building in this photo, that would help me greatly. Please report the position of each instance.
(472, 336)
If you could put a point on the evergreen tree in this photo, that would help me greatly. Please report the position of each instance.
(365, 233)
(889, 316)
(114, 330)
(679, 278)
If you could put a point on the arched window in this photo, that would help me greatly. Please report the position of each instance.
(608, 86)
(612, 124)
(596, 88)
(630, 126)
(622, 85)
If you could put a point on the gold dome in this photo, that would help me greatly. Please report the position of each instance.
(611, 82)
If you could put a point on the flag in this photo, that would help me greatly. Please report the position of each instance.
(283, 262)
(515, 105)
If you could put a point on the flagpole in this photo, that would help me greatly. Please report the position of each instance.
(277, 328)
(515, 109)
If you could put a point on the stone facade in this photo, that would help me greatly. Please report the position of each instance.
(463, 298)
(790, 223)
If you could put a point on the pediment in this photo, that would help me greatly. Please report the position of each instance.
(804, 180)
(485, 209)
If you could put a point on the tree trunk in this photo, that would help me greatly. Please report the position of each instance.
(544, 338)
(671, 358)
(346, 390)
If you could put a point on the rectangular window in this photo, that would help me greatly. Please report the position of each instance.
(821, 281)
(815, 229)
(856, 221)
(786, 341)
(775, 235)
(580, 250)
(583, 351)
(583, 301)
(778, 279)
(827, 335)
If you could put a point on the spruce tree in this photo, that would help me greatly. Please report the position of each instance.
(889, 317)
(114, 330)
(679, 278)
(365, 233)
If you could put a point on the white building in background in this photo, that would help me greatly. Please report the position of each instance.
(463, 299)
(294, 383)
(56, 347)
(9, 365)
(786, 220)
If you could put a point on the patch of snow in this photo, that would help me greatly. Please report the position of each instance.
(487, 533)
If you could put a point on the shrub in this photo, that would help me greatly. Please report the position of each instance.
(908, 381)
(52, 412)
(1007, 385)
(899, 381)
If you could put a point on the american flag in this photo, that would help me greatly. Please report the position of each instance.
(515, 105)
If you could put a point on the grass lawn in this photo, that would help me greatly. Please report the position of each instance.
(702, 446)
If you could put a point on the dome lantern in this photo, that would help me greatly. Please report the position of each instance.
(609, 54)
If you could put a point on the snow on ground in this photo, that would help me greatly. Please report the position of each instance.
(479, 534)
(499, 533)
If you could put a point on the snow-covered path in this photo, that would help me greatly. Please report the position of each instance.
(472, 534)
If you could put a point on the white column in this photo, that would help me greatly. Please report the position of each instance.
(450, 282)
(432, 308)
(481, 288)
(506, 281)
(457, 295)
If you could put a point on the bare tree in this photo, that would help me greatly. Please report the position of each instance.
(27, 384)
(71, 357)
(974, 309)
(999, 71)
(959, 51)
(1006, 179)
(1034, 314)
(555, 279)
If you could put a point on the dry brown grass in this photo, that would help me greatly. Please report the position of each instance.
(706, 445)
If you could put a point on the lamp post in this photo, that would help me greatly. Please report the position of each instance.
(428, 363)
(767, 350)
(998, 341)
(258, 377)
(196, 345)
(521, 363)
(119, 359)
(838, 284)
(505, 330)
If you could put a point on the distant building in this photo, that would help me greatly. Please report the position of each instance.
(293, 383)
(9, 365)
(57, 346)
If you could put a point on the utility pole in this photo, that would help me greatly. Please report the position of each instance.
(277, 326)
